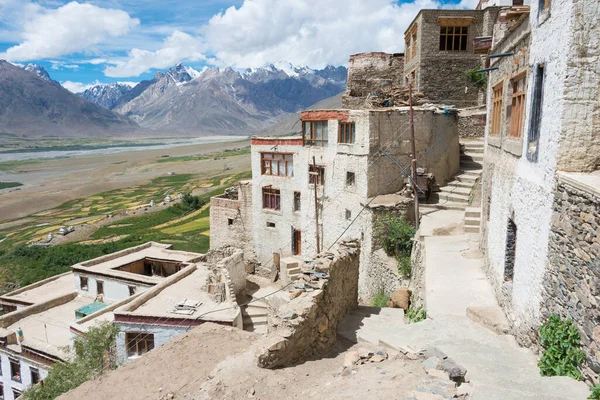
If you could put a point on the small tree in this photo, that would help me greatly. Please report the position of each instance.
(478, 79)
(93, 355)
(395, 236)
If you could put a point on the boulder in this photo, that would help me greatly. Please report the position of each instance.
(401, 299)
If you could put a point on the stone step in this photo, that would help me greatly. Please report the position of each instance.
(254, 321)
(468, 165)
(255, 312)
(472, 153)
(454, 197)
(446, 205)
(466, 178)
(294, 271)
(477, 144)
(471, 229)
(470, 171)
(471, 157)
(472, 221)
(473, 212)
(456, 183)
(456, 190)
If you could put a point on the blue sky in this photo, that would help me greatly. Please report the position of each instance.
(82, 43)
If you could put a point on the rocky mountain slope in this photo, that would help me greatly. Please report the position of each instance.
(106, 95)
(41, 72)
(33, 106)
(226, 101)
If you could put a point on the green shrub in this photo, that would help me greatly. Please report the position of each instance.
(380, 299)
(415, 315)
(562, 355)
(395, 235)
(478, 79)
(94, 354)
(404, 265)
(595, 392)
(189, 203)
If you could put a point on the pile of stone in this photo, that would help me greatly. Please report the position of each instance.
(394, 96)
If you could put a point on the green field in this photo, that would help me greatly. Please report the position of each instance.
(226, 153)
(7, 185)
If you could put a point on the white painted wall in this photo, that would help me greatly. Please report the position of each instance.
(114, 290)
(162, 334)
(25, 383)
(523, 188)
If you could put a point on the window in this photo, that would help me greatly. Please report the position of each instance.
(544, 5)
(517, 107)
(346, 132)
(83, 283)
(316, 174)
(350, 179)
(453, 38)
(414, 42)
(348, 215)
(1, 391)
(297, 201)
(511, 250)
(131, 290)
(277, 164)
(229, 221)
(15, 370)
(35, 375)
(99, 287)
(270, 224)
(407, 50)
(536, 114)
(139, 343)
(496, 109)
(271, 198)
(314, 133)
(16, 393)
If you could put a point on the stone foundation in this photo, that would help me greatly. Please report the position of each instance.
(572, 280)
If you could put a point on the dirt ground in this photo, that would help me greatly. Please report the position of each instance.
(215, 362)
(55, 181)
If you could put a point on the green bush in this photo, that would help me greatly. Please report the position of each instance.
(94, 354)
(415, 315)
(562, 355)
(404, 265)
(595, 392)
(395, 235)
(190, 203)
(478, 79)
(380, 299)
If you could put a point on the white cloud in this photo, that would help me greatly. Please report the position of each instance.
(56, 65)
(71, 28)
(179, 46)
(77, 87)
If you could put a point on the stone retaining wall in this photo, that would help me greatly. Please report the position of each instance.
(417, 279)
(571, 285)
(307, 325)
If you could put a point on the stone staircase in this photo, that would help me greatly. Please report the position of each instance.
(472, 219)
(366, 323)
(457, 194)
(290, 268)
(255, 316)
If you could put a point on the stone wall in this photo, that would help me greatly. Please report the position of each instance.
(231, 218)
(417, 277)
(471, 124)
(571, 284)
(369, 73)
(307, 325)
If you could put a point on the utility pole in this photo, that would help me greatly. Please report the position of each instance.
(414, 156)
(317, 176)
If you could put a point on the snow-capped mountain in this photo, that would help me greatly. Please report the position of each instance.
(227, 101)
(106, 95)
(40, 71)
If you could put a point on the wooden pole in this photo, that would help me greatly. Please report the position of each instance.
(414, 156)
(317, 176)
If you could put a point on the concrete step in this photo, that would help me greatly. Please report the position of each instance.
(456, 190)
(454, 197)
(471, 221)
(471, 157)
(468, 165)
(471, 229)
(458, 183)
(474, 153)
(255, 312)
(473, 212)
(444, 205)
(467, 170)
(467, 178)
(294, 271)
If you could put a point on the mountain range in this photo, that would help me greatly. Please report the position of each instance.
(184, 101)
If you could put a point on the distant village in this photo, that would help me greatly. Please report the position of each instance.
(490, 114)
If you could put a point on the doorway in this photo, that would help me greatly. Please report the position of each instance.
(297, 242)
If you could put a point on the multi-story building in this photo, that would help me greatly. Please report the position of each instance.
(541, 186)
(150, 282)
(439, 50)
(337, 173)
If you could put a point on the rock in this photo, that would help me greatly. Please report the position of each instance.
(351, 358)
(377, 358)
(437, 373)
(296, 293)
(457, 374)
(401, 298)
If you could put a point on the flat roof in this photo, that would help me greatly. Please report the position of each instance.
(106, 265)
(188, 288)
(588, 182)
(41, 292)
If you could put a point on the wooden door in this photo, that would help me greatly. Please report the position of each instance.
(297, 250)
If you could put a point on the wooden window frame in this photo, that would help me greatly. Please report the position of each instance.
(347, 132)
(138, 343)
(35, 375)
(310, 130)
(448, 35)
(517, 108)
(297, 202)
(535, 118)
(16, 392)
(350, 179)
(99, 287)
(271, 198)
(14, 362)
(284, 163)
(497, 100)
(84, 283)
(414, 43)
(318, 178)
